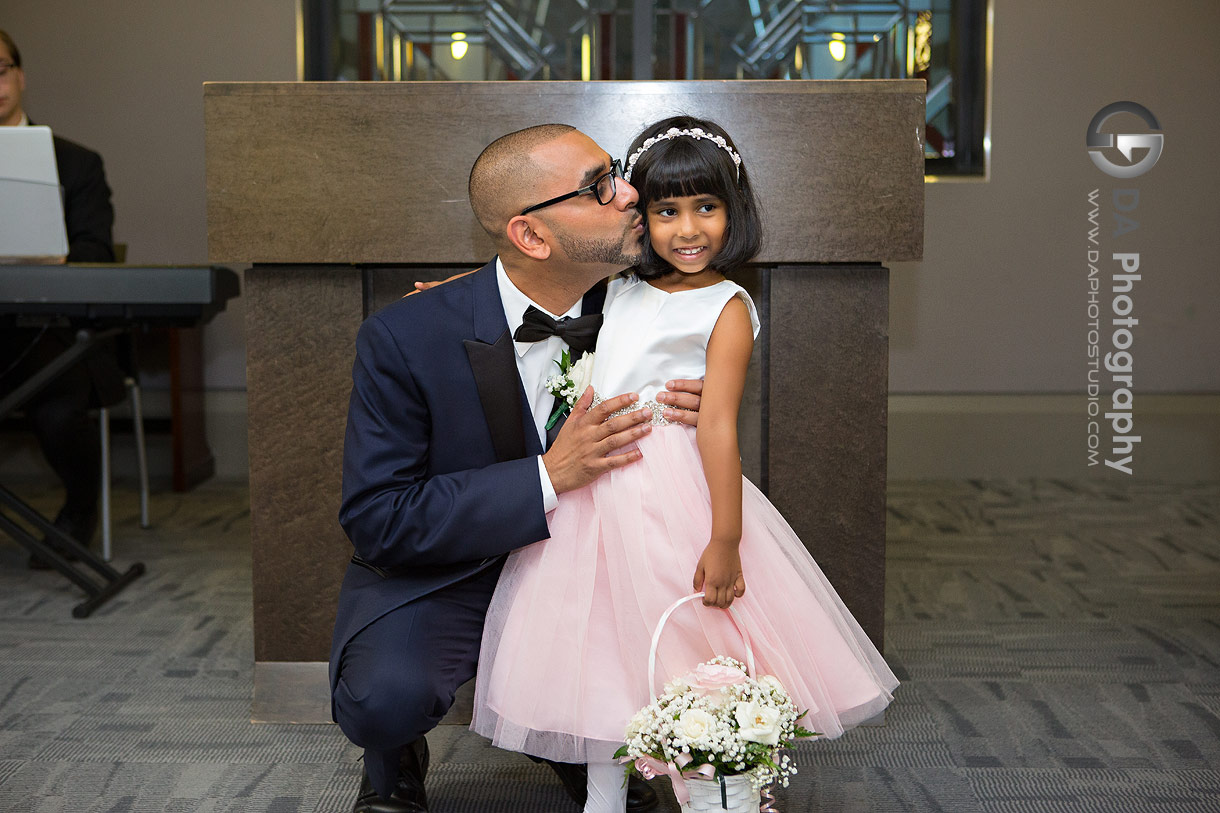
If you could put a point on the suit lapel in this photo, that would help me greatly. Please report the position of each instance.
(595, 299)
(493, 361)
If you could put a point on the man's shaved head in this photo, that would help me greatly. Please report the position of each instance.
(500, 178)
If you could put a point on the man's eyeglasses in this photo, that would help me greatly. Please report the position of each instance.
(4, 67)
(602, 189)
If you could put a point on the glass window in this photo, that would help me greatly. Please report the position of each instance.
(944, 42)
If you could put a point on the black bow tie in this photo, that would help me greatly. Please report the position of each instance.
(580, 333)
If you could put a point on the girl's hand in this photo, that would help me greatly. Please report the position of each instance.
(719, 575)
(682, 399)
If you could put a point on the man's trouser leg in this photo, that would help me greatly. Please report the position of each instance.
(398, 676)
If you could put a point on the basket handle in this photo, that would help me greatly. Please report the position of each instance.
(656, 640)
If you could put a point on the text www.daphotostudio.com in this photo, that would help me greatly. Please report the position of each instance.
(1122, 267)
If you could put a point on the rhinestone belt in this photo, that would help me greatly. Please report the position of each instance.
(658, 410)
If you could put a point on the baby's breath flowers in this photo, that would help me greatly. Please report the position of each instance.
(719, 716)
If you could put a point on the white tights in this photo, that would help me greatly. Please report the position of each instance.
(607, 790)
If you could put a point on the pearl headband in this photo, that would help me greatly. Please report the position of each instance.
(673, 132)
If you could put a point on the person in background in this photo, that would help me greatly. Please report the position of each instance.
(59, 415)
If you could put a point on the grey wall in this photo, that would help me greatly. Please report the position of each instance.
(125, 79)
(998, 303)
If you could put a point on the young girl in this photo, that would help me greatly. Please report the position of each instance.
(563, 664)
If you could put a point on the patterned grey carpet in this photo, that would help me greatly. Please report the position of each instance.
(1059, 645)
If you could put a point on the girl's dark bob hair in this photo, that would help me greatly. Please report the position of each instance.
(683, 167)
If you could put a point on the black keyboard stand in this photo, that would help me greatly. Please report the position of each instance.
(111, 580)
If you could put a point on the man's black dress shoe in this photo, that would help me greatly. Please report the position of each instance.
(408, 795)
(79, 526)
(575, 779)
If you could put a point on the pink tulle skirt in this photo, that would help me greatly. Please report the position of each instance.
(564, 658)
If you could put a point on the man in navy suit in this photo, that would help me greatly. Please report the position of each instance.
(447, 466)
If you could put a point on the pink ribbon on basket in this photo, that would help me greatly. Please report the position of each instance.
(767, 801)
(650, 768)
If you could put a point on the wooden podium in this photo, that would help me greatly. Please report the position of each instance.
(342, 194)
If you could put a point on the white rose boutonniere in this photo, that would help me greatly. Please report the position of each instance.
(569, 383)
(582, 374)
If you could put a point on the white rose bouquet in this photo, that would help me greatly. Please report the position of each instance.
(569, 383)
(716, 720)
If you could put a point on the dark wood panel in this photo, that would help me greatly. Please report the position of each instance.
(829, 377)
(384, 285)
(193, 462)
(376, 172)
(301, 328)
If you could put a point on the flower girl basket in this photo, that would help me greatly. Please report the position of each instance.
(733, 794)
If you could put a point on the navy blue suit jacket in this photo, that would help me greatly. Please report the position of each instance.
(439, 475)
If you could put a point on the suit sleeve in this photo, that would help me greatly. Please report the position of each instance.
(396, 515)
(88, 213)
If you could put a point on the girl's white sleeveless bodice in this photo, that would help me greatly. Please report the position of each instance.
(650, 336)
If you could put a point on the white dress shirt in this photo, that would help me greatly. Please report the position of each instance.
(535, 364)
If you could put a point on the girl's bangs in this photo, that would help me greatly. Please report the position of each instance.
(682, 170)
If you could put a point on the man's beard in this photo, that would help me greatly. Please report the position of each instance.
(620, 253)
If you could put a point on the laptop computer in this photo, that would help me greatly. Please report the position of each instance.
(32, 226)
